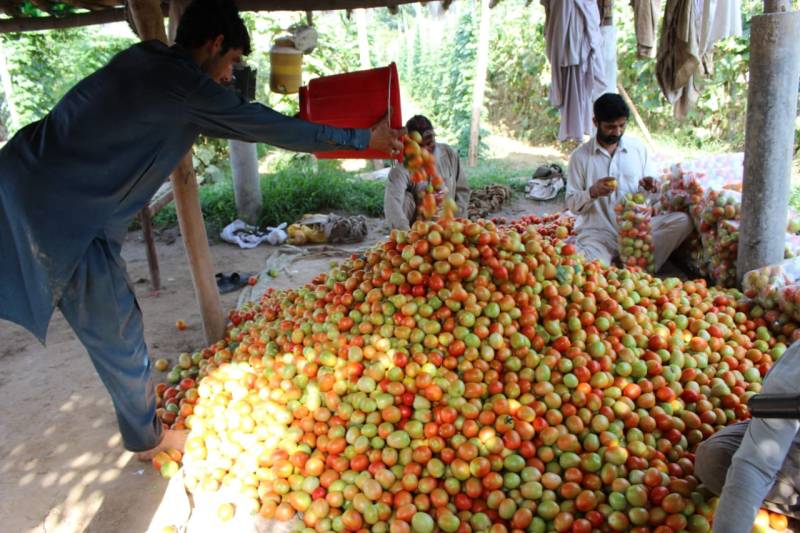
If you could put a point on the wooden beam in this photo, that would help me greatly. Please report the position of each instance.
(106, 16)
(146, 218)
(161, 202)
(148, 18)
(481, 64)
(91, 18)
(315, 5)
(637, 117)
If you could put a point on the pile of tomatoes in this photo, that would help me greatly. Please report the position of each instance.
(462, 377)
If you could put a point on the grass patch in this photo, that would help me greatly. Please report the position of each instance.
(287, 194)
(499, 171)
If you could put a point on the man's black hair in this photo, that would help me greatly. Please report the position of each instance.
(419, 124)
(610, 107)
(205, 20)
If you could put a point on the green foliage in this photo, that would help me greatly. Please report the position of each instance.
(211, 159)
(519, 75)
(45, 65)
(499, 171)
(794, 199)
(439, 73)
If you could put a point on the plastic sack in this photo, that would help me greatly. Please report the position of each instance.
(766, 285)
(635, 223)
(791, 246)
(789, 300)
(793, 223)
(725, 250)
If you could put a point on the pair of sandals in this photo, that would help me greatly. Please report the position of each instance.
(231, 282)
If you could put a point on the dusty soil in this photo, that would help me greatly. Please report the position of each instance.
(62, 467)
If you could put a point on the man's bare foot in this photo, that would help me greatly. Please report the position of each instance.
(171, 439)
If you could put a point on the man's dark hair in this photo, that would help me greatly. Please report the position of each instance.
(419, 124)
(204, 20)
(610, 107)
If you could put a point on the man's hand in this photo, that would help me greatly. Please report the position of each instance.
(648, 184)
(386, 139)
(603, 187)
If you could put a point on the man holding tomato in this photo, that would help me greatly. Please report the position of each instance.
(401, 196)
(601, 172)
(71, 183)
(756, 463)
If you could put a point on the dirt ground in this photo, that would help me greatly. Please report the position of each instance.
(62, 466)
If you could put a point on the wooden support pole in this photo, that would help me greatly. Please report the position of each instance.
(482, 62)
(777, 6)
(193, 229)
(146, 218)
(198, 254)
(637, 117)
(149, 22)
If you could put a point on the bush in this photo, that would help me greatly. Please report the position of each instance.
(45, 65)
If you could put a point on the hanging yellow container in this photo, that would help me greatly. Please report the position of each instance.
(286, 67)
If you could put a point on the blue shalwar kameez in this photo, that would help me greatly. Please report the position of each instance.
(71, 183)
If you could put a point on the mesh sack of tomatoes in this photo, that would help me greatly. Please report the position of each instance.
(725, 249)
(765, 285)
(634, 220)
(791, 246)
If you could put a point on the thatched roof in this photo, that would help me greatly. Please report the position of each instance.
(33, 15)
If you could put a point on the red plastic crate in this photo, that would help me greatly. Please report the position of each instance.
(353, 100)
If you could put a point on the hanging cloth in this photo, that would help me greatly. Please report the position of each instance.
(679, 56)
(574, 49)
(645, 14)
(691, 28)
(720, 19)
(609, 54)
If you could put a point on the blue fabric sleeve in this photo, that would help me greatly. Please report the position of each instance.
(219, 112)
(759, 458)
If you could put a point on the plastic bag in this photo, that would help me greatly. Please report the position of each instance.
(791, 246)
(724, 255)
(789, 300)
(766, 285)
(721, 171)
(635, 223)
(793, 223)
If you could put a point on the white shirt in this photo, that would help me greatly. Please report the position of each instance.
(591, 162)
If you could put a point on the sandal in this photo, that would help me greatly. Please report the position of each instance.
(231, 283)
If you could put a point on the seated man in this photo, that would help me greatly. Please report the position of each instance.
(761, 457)
(401, 195)
(601, 172)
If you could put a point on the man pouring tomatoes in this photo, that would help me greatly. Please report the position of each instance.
(71, 183)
